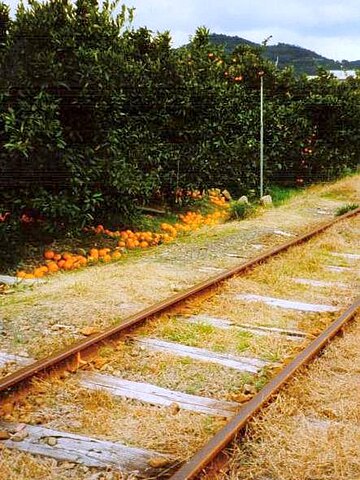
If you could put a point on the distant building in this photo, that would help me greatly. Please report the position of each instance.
(339, 74)
(343, 74)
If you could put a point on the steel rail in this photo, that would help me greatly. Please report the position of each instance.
(224, 436)
(46, 364)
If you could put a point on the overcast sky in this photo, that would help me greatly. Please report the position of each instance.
(329, 27)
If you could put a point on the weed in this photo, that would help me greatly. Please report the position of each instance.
(281, 195)
(239, 210)
(188, 334)
(243, 341)
(346, 208)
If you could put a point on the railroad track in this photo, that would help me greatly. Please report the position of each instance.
(163, 393)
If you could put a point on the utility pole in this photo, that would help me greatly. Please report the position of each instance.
(261, 74)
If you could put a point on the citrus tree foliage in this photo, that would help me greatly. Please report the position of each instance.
(98, 117)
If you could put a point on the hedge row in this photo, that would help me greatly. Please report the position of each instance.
(97, 117)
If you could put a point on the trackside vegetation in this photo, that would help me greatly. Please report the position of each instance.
(98, 118)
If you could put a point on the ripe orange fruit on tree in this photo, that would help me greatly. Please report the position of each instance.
(99, 229)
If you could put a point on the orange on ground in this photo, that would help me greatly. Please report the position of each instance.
(116, 255)
(49, 254)
(53, 267)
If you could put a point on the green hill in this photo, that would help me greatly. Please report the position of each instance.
(303, 60)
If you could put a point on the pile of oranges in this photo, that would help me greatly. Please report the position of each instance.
(128, 240)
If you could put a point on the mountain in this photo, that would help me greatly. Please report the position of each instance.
(303, 60)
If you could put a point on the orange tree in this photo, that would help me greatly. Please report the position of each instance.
(96, 117)
(212, 120)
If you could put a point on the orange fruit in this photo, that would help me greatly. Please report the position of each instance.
(38, 272)
(66, 256)
(28, 276)
(82, 260)
(49, 254)
(57, 257)
(53, 267)
(21, 274)
(68, 265)
(103, 252)
(144, 244)
(94, 252)
(99, 229)
(106, 258)
(116, 255)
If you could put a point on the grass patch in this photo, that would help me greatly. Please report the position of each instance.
(346, 208)
(281, 195)
(240, 210)
(232, 340)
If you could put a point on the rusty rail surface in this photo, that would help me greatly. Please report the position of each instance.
(43, 365)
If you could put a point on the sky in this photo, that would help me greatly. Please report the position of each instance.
(328, 27)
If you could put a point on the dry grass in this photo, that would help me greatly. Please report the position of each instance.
(274, 278)
(68, 407)
(182, 374)
(311, 431)
(101, 295)
(233, 341)
(50, 317)
(23, 466)
(343, 190)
